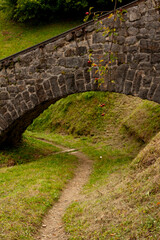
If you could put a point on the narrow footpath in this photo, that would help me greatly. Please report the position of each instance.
(52, 226)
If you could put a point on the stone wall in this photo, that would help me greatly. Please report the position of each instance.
(32, 80)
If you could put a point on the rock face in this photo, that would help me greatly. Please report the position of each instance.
(35, 78)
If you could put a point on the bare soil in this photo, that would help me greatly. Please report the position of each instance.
(52, 226)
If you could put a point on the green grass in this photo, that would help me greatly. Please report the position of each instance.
(125, 205)
(106, 158)
(121, 196)
(30, 150)
(81, 114)
(74, 114)
(144, 122)
(120, 200)
(28, 190)
(15, 37)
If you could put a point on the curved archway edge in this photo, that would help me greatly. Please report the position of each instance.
(34, 78)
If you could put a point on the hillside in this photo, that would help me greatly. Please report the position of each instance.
(101, 115)
(125, 206)
(120, 133)
(15, 37)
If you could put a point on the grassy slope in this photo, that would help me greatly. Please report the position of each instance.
(121, 201)
(15, 37)
(29, 151)
(27, 190)
(126, 206)
(80, 115)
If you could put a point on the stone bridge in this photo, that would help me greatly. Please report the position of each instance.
(33, 79)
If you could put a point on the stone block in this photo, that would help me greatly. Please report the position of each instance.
(131, 40)
(94, 85)
(70, 83)
(120, 77)
(24, 107)
(40, 92)
(3, 110)
(73, 62)
(141, 57)
(127, 87)
(115, 48)
(49, 94)
(80, 85)
(107, 47)
(131, 74)
(143, 93)
(8, 118)
(120, 40)
(156, 80)
(61, 62)
(34, 99)
(156, 96)
(97, 46)
(70, 52)
(142, 7)
(50, 47)
(88, 87)
(134, 14)
(157, 67)
(31, 89)
(79, 74)
(155, 58)
(121, 58)
(81, 50)
(46, 85)
(78, 33)
(61, 80)
(148, 46)
(132, 49)
(98, 38)
(14, 114)
(133, 31)
(147, 81)
(4, 96)
(54, 86)
(143, 31)
(3, 123)
(85, 63)
(90, 28)
(69, 36)
(144, 66)
(87, 75)
(12, 89)
(64, 90)
(59, 43)
(152, 90)
(26, 96)
(137, 82)
(129, 58)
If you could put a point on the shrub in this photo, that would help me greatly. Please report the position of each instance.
(39, 10)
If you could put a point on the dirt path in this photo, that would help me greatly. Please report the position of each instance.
(52, 226)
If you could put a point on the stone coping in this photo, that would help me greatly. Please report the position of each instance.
(80, 27)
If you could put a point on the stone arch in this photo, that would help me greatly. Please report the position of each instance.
(35, 78)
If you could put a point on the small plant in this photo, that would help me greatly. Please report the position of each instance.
(102, 68)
